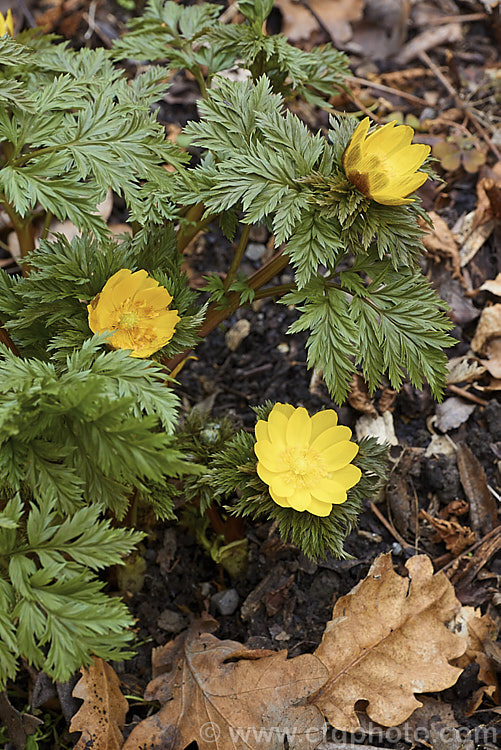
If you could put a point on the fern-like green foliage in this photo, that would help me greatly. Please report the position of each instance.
(71, 127)
(381, 315)
(236, 485)
(194, 38)
(46, 312)
(83, 431)
(53, 610)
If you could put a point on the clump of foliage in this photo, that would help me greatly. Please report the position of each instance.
(89, 433)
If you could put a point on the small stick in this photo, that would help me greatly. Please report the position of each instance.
(387, 89)
(388, 525)
(473, 547)
(466, 394)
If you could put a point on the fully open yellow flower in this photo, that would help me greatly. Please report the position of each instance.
(383, 165)
(6, 23)
(135, 308)
(305, 460)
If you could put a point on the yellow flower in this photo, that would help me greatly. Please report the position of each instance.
(6, 23)
(305, 460)
(383, 166)
(134, 307)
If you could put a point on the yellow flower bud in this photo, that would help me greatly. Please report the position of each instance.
(383, 165)
(6, 23)
(305, 461)
(135, 308)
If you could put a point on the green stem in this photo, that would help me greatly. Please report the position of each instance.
(195, 224)
(237, 257)
(274, 291)
(216, 315)
(199, 77)
(23, 227)
(46, 225)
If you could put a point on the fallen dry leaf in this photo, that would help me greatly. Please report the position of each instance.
(381, 428)
(359, 397)
(452, 413)
(493, 286)
(387, 640)
(489, 327)
(477, 630)
(464, 369)
(299, 22)
(102, 716)
(483, 507)
(455, 536)
(220, 694)
(440, 242)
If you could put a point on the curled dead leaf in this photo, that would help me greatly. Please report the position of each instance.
(387, 640)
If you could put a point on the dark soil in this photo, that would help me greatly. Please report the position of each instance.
(297, 596)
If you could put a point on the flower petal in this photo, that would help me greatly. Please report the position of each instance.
(298, 428)
(321, 421)
(328, 491)
(331, 437)
(318, 508)
(381, 139)
(277, 426)
(348, 476)
(265, 474)
(269, 455)
(339, 455)
(394, 194)
(408, 159)
(283, 485)
(300, 500)
(261, 430)
(282, 501)
(353, 151)
(286, 409)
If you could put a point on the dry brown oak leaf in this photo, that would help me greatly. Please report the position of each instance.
(226, 697)
(387, 640)
(101, 717)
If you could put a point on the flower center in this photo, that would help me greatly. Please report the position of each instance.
(128, 320)
(305, 466)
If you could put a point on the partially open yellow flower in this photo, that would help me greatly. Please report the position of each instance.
(6, 23)
(383, 165)
(305, 460)
(136, 309)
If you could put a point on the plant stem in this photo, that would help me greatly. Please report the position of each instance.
(6, 339)
(237, 258)
(274, 291)
(216, 315)
(46, 225)
(199, 77)
(186, 233)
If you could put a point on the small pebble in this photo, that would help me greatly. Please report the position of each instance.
(171, 622)
(255, 251)
(226, 602)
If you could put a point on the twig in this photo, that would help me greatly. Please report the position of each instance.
(388, 90)
(484, 135)
(424, 56)
(388, 525)
(471, 549)
(466, 394)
